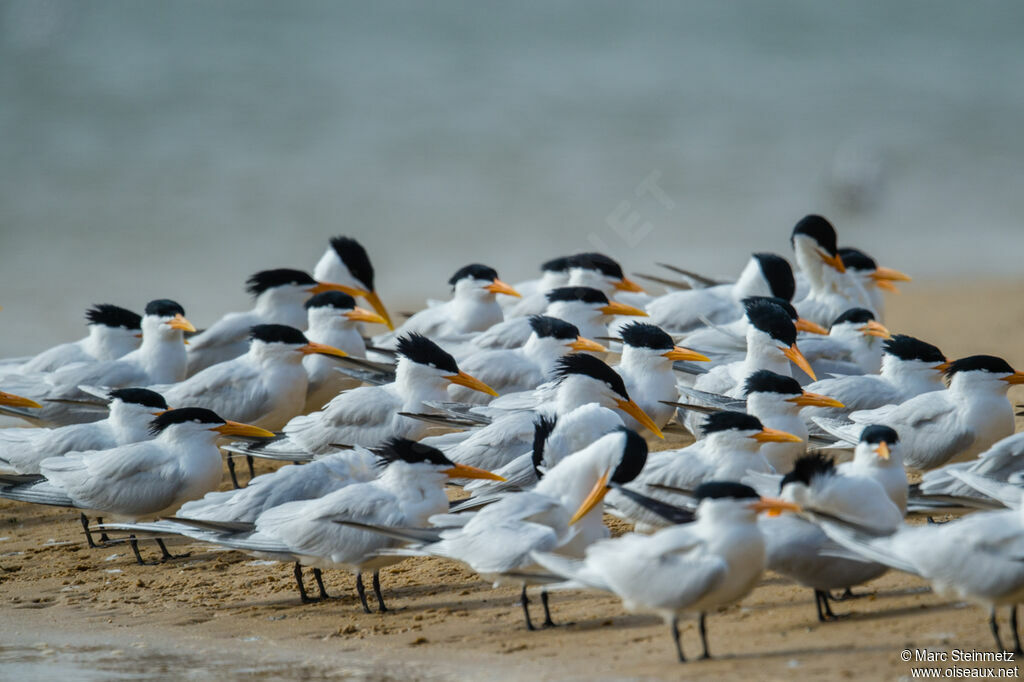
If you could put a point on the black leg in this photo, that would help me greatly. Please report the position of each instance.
(526, 610)
(302, 587)
(675, 638)
(381, 608)
(88, 533)
(103, 533)
(318, 574)
(825, 614)
(134, 544)
(704, 637)
(847, 594)
(829, 615)
(995, 631)
(231, 470)
(252, 472)
(361, 589)
(167, 556)
(1016, 631)
(548, 623)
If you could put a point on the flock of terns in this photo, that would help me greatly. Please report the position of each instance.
(807, 413)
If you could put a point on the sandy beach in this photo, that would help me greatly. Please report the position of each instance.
(226, 615)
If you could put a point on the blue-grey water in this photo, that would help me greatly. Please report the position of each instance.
(169, 149)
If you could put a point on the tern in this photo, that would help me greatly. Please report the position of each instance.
(472, 308)
(131, 411)
(693, 568)
(730, 448)
(113, 332)
(960, 422)
(279, 297)
(148, 478)
(771, 344)
(831, 292)
(798, 549)
(910, 367)
(646, 368)
(533, 301)
(853, 345)
(334, 320)
(346, 263)
(509, 370)
(407, 492)
(369, 415)
(159, 360)
(873, 278)
(997, 465)
(265, 387)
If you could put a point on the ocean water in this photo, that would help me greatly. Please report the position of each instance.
(171, 149)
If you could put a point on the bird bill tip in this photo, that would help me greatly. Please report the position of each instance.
(637, 413)
(767, 435)
(805, 325)
(230, 428)
(582, 344)
(466, 471)
(11, 400)
(499, 287)
(626, 284)
(798, 359)
(179, 322)
(686, 355)
(594, 498)
(471, 382)
(616, 308)
(774, 506)
(313, 348)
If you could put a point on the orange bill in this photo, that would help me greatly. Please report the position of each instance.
(1015, 378)
(883, 274)
(616, 308)
(231, 428)
(626, 284)
(11, 400)
(364, 315)
(798, 359)
(582, 344)
(767, 435)
(466, 471)
(833, 261)
(179, 322)
(374, 300)
(809, 399)
(594, 498)
(321, 287)
(499, 287)
(883, 450)
(873, 328)
(774, 506)
(803, 325)
(463, 379)
(637, 413)
(685, 354)
(312, 348)
(886, 285)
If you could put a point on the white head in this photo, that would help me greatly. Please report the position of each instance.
(199, 426)
(552, 338)
(278, 343)
(771, 333)
(135, 406)
(598, 271)
(726, 501)
(336, 310)
(731, 433)
(480, 283)
(879, 446)
(422, 362)
(586, 305)
(905, 357)
(770, 394)
(164, 321)
(766, 274)
(583, 379)
(410, 464)
(858, 329)
(649, 346)
(346, 262)
(984, 373)
(814, 244)
(114, 330)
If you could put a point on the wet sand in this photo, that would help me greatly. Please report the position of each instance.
(224, 614)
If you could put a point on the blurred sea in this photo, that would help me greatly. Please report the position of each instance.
(170, 149)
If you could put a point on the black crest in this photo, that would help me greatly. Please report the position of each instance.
(139, 396)
(552, 327)
(405, 450)
(332, 299)
(560, 264)
(113, 316)
(717, 490)
(767, 381)
(781, 302)
(582, 294)
(983, 363)
(588, 365)
(183, 415)
(877, 433)
(808, 467)
(772, 319)
(855, 316)
(820, 230)
(270, 279)
(634, 457)
(731, 421)
(277, 333)
(855, 259)
(354, 256)
(422, 350)
(908, 348)
(778, 273)
(597, 261)
(164, 307)
(474, 271)
(542, 428)
(644, 335)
